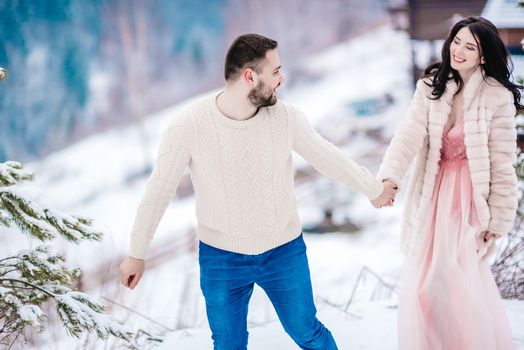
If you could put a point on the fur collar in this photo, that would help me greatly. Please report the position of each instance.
(471, 89)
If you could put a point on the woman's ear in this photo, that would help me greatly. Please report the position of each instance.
(482, 60)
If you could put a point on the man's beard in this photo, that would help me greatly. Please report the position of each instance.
(261, 96)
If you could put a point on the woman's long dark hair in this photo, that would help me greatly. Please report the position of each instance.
(491, 47)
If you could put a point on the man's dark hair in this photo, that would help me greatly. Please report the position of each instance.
(246, 52)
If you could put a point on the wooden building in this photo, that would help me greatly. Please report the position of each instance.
(509, 19)
(429, 21)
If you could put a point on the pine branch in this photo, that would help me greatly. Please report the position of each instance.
(12, 173)
(43, 223)
(8, 258)
(32, 285)
(42, 264)
(28, 216)
(6, 272)
(18, 311)
(71, 227)
(78, 312)
(32, 277)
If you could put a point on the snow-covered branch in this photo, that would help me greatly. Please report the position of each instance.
(32, 277)
(41, 275)
(12, 173)
(80, 313)
(42, 223)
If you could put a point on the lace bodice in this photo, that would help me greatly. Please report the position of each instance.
(453, 147)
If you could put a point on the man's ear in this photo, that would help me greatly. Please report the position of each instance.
(250, 77)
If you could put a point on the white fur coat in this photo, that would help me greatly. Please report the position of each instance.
(490, 135)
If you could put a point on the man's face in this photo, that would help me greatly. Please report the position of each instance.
(268, 80)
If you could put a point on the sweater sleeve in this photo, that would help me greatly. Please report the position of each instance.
(502, 200)
(330, 160)
(407, 140)
(172, 159)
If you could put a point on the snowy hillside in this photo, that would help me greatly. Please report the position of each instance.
(103, 177)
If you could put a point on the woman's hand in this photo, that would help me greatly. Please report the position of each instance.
(388, 195)
(485, 243)
(490, 235)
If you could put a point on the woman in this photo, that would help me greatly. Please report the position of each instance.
(462, 195)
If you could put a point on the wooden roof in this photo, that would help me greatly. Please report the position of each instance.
(432, 19)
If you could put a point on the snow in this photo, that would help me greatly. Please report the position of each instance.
(372, 328)
(104, 176)
(375, 63)
(30, 313)
(13, 299)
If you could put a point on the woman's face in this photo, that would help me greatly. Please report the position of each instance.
(464, 52)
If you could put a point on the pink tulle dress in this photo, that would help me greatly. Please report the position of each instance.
(449, 299)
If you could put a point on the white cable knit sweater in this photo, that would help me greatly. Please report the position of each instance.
(490, 139)
(242, 173)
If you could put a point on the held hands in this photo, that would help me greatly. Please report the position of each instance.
(131, 270)
(387, 198)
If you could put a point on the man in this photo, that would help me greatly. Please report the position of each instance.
(237, 145)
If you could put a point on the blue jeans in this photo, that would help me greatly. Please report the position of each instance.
(227, 281)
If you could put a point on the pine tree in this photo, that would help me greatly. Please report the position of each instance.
(32, 277)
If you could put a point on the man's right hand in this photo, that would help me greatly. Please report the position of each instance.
(131, 270)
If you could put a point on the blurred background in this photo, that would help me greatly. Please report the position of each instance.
(92, 84)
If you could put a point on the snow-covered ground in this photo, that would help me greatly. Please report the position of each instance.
(103, 177)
